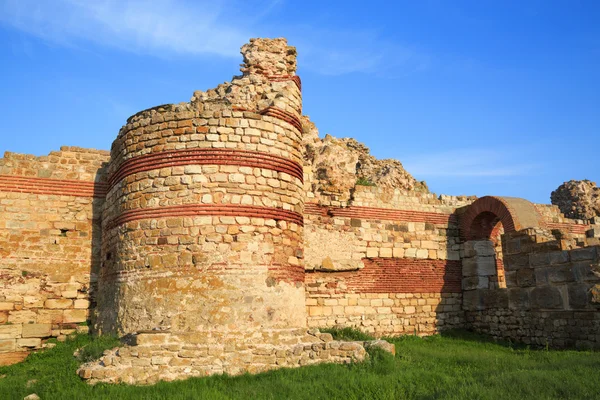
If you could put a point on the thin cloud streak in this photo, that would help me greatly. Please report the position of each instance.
(467, 163)
(136, 26)
(215, 27)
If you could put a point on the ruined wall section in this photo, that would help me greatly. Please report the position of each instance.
(49, 244)
(387, 263)
(552, 295)
(202, 228)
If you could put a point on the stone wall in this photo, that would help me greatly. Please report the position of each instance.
(202, 225)
(387, 263)
(551, 296)
(169, 356)
(49, 244)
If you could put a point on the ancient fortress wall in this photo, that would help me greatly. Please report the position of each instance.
(202, 225)
(389, 263)
(551, 296)
(218, 234)
(49, 244)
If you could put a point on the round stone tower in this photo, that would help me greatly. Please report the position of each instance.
(202, 225)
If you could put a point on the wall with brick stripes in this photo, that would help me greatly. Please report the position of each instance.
(49, 245)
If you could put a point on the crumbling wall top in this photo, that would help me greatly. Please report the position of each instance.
(268, 57)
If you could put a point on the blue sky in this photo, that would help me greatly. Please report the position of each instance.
(474, 97)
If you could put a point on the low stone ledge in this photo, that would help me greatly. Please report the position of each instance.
(161, 356)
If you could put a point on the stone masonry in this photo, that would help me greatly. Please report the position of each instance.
(219, 234)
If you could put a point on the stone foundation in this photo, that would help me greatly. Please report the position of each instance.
(172, 356)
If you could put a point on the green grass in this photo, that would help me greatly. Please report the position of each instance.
(364, 182)
(457, 365)
(347, 334)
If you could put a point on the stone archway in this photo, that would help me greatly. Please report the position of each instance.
(481, 227)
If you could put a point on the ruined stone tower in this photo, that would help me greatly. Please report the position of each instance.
(202, 224)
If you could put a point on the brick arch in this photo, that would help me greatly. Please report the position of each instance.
(485, 215)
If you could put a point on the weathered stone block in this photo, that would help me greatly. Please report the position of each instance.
(495, 298)
(472, 300)
(37, 330)
(58, 303)
(580, 295)
(29, 342)
(479, 266)
(585, 271)
(7, 345)
(587, 253)
(75, 316)
(518, 299)
(560, 274)
(515, 262)
(558, 257)
(539, 259)
(10, 331)
(526, 277)
(475, 248)
(546, 297)
(475, 282)
(151, 338)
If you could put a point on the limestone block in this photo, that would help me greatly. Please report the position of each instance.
(37, 330)
(380, 344)
(29, 342)
(58, 303)
(10, 331)
(81, 304)
(73, 316)
(7, 345)
(6, 306)
(479, 266)
(546, 297)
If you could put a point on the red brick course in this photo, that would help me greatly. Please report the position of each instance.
(400, 275)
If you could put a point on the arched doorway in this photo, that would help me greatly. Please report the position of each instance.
(481, 227)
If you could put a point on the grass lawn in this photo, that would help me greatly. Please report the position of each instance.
(457, 365)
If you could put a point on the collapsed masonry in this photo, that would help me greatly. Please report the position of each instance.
(219, 233)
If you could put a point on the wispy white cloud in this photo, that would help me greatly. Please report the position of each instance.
(139, 26)
(217, 27)
(468, 163)
(331, 51)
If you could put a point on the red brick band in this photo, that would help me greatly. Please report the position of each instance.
(59, 187)
(285, 78)
(399, 275)
(280, 272)
(283, 115)
(191, 210)
(172, 158)
(571, 228)
(379, 213)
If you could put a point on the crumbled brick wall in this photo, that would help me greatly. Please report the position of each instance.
(388, 263)
(49, 244)
(202, 225)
